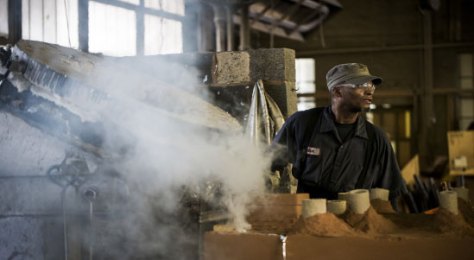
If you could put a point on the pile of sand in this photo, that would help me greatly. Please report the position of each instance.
(382, 206)
(447, 222)
(370, 222)
(327, 225)
(379, 219)
(467, 210)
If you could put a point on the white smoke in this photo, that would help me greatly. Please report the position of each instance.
(164, 140)
(174, 139)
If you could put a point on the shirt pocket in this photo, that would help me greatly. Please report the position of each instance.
(347, 177)
(313, 169)
(299, 164)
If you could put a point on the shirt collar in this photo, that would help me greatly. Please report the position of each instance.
(328, 125)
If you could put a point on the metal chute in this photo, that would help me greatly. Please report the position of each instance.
(264, 121)
(265, 117)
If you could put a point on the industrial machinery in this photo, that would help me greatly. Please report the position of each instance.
(123, 158)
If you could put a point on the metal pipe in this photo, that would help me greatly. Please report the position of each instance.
(244, 28)
(91, 223)
(140, 27)
(83, 24)
(63, 204)
(205, 35)
(230, 27)
(283, 245)
(14, 21)
(302, 27)
(90, 194)
(220, 26)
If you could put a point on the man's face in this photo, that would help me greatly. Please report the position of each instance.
(357, 98)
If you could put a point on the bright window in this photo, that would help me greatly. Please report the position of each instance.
(116, 27)
(3, 18)
(112, 30)
(133, 27)
(162, 35)
(305, 83)
(52, 21)
(172, 6)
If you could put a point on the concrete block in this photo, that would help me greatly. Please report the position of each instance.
(273, 64)
(241, 68)
(231, 68)
(284, 94)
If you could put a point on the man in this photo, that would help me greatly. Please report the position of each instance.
(335, 149)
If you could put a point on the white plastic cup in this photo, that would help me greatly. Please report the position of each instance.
(337, 207)
(359, 201)
(463, 193)
(379, 193)
(313, 207)
(448, 200)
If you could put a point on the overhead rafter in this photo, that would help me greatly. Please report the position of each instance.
(291, 19)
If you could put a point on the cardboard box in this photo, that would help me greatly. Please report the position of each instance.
(257, 246)
(461, 152)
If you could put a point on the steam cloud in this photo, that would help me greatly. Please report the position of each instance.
(168, 145)
(150, 126)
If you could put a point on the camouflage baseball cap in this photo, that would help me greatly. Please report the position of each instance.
(350, 73)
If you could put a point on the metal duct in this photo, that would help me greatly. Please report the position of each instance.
(244, 28)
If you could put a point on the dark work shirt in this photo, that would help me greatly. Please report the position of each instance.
(324, 164)
(345, 130)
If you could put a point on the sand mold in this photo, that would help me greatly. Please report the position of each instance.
(379, 220)
(322, 225)
(370, 222)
